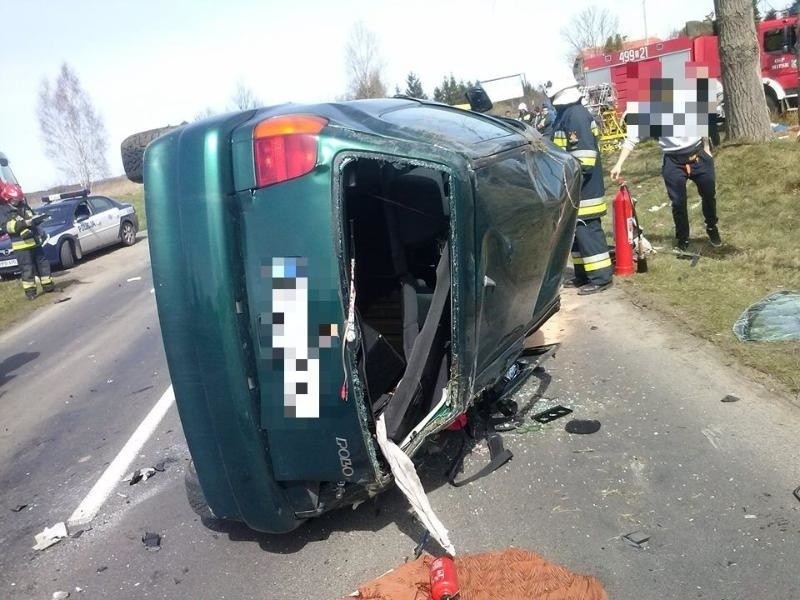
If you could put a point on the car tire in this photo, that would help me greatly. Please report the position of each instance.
(132, 149)
(194, 494)
(127, 233)
(773, 105)
(66, 255)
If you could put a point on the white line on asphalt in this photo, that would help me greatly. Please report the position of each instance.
(88, 509)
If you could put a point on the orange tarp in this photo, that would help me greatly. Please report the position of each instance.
(508, 575)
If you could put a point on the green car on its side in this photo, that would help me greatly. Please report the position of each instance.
(316, 266)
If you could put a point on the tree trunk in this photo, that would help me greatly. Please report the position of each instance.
(746, 110)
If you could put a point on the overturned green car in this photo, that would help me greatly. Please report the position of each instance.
(316, 266)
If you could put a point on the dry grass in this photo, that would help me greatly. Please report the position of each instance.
(758, 199)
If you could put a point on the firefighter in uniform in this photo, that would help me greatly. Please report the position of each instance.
(576, 132)
(18, 220)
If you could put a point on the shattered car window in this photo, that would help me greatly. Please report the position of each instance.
(774, 318)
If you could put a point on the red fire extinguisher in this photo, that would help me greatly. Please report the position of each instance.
(623, 232)
(444, 583)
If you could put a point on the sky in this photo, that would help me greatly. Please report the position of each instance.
(151, 63)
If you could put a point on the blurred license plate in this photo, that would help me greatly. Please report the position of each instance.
(8, 263)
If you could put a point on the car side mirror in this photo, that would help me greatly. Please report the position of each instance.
(479, 100)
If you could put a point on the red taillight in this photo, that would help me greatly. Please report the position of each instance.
(285, 147)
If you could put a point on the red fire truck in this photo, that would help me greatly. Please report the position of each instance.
(777, 39)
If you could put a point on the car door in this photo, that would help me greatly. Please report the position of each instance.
(86, 225)
(106, 215)
(515, 220)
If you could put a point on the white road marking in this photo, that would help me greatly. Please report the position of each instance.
(90, 505)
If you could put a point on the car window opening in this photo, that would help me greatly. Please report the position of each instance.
(396, 220)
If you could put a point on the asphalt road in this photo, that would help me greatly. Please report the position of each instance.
(709, 482)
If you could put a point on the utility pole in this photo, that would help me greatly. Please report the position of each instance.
(644, 12)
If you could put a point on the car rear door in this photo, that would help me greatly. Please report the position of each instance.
(106, 218)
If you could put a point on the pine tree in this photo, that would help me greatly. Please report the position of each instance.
(414, 87)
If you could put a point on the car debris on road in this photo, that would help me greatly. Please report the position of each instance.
(50, 535)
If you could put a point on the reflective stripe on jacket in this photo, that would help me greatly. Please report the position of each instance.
(576, 132)
(22, 236)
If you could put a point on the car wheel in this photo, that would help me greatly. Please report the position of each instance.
(133, 147)
(128, 234)
(66, 255)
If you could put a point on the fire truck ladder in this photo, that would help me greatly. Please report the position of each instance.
(600, 100)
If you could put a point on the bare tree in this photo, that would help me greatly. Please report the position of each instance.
(73, 133)
(364, 65)
(589, 30)
(746, 110)
(244, 98)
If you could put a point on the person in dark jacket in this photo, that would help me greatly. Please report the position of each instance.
(21, 224)
(575, 131)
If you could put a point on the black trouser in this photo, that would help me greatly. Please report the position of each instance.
(33, 262)
(590, 253)
(699, 167)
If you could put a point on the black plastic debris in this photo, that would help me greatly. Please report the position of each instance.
(76, 534)
(551, 414)
(730, 398)
(101, 569)
(421, 546)
(60, 300)
(19, 507)
(152, 541)
(796, 492)
(636, 538)
(582, 426)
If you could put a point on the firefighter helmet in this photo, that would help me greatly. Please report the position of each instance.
(560, 81)
(10, 192)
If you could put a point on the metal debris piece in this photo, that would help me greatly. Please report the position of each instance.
(134, 279)
(637, 538)
(50, 535)
(730, 398)
(60, 300)
(60, 595)
(19, 507)
(152, 541)
(139, 475)
(796, 492)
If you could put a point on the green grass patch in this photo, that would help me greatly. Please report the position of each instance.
(758, 203)
(15, 304)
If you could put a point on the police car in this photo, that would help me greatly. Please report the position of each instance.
(78, 224)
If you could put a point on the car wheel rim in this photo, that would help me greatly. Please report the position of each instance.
(128, 235)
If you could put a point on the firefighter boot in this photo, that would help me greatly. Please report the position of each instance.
(30, 293)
